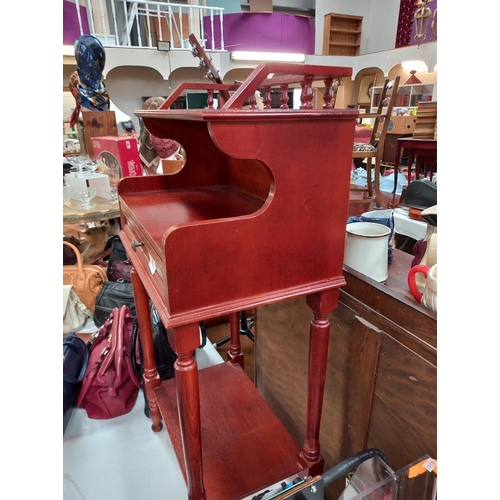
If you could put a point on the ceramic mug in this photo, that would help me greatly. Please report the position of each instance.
(429, 297)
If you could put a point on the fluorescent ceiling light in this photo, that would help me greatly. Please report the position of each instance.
(267, 56)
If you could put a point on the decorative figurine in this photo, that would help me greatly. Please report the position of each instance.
(90, 59)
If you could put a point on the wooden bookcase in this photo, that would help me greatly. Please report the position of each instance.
(342, 35)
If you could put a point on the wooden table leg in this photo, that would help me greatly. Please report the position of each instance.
(186, 339)
(322, 304)
(377, 183)
(369, 176)
(151, 378)
(234, 354)
(397, 161)
(411, 158)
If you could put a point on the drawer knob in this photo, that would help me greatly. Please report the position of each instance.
(135, 244)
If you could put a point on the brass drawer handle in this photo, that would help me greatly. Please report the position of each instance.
(135, 244)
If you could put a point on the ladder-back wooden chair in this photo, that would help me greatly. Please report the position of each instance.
(374, 150)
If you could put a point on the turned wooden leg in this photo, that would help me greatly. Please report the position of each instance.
(321, 304)
(369, 176)
(411, 157)
(151, 378)
(234, 354)
(186, 339)
(377, 182)
(397, 161)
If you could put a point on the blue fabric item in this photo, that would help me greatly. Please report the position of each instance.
(90, 60)
(359, 177)
(387, 183)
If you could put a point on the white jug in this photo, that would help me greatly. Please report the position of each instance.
(366, 249)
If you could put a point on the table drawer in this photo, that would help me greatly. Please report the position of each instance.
(144, 256)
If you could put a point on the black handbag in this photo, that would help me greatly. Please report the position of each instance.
(75, 360)
(164, 354)
(113, 294)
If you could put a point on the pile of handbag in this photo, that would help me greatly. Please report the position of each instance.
(117, 291)
(82, 284)
(90, 292)
(103, 376)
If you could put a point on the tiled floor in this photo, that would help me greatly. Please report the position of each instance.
(122, 458)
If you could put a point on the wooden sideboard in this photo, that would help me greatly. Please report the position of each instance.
(380, 389)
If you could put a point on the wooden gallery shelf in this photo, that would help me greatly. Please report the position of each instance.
(210, 241)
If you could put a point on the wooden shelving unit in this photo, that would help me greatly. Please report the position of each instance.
(342, 35)
(246, 172)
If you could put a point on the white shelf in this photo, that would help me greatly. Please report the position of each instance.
(408, 95)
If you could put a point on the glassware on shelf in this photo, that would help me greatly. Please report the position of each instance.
(77, 162)
(113, 172)
(91, 164)
(113, 192)
(85, 197)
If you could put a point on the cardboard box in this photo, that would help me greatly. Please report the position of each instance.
(401, 125)
(80, 181)
(118, 156)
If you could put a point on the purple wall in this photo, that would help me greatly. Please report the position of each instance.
(71, 28)
(270, 32)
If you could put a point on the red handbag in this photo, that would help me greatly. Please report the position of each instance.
(110, 385)
(121, 271)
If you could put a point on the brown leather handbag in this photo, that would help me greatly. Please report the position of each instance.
(87, 280)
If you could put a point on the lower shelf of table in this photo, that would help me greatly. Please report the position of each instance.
(245, 446)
